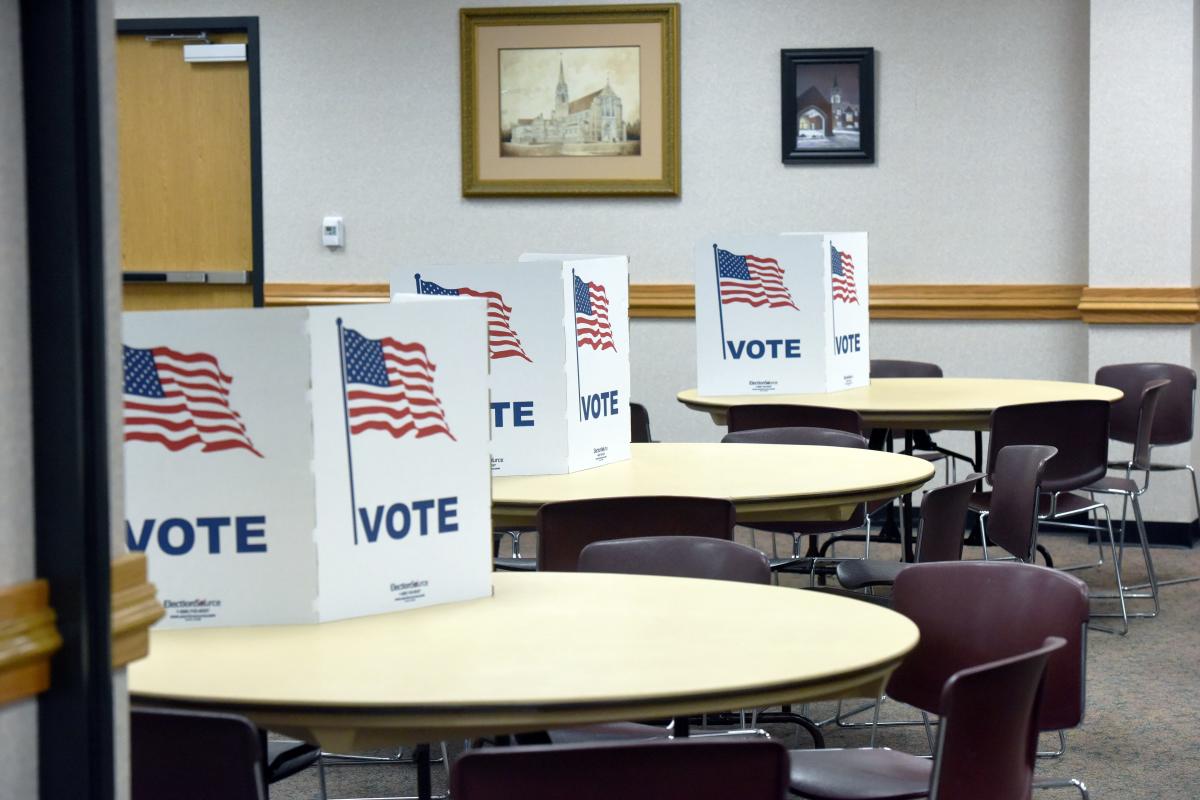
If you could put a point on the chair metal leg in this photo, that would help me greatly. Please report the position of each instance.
(1196, 497)
(1064, 783)
(1120, 594)
(928, 732)
(1060, 752)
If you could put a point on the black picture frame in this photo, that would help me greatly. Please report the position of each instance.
(833, 129)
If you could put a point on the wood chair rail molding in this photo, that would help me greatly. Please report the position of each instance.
(135, 608)
(28, 638)
(1170, 305)
(1095, 305)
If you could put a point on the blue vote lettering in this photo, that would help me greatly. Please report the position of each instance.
(602, 404)
(177, 536)
(399, 519)
(522, 413)
(849, 343)
(758, 348)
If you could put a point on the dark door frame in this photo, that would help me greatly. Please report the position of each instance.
(248, 26)
(64, 172)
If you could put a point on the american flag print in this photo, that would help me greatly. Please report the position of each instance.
(753, 280)
(503, 341)
(592, 328)
(180, 400)
(389, 387)
(842, 268)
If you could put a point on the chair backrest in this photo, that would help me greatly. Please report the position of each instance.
(999, 609)
(565, 528)
(987, 740)
(1175, 419)
(1016, 489)
(755, 769)
(893, 368)
(823, 437)
(187, 755)
(639, 423)
(943, 521)
(1078, 428)
(678, 557)
(778, 415)
(1151, 396)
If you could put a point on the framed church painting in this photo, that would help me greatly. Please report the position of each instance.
(828, 105)
(570, 100)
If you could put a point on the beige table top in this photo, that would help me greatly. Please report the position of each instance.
(943, 403)
(548, 649)
(765, 482)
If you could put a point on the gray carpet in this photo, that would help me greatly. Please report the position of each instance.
(1138, 740)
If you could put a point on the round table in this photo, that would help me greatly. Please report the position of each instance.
(963, 404)
(765, 482)
(584, 648)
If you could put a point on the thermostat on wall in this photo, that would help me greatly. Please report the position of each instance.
(332, 232)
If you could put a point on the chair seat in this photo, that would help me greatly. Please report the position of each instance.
(285, 758)
(515, 564)
(1113, 484)
(859, 774)
(1068, 503)
(930, 456)
(609, 732)
(860, 573)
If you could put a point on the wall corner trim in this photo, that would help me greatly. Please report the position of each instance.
(135, 608)
(28, 638)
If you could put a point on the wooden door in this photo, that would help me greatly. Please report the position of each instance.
(186, 174)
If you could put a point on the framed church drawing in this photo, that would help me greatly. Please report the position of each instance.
(570, 100)
(828, 105)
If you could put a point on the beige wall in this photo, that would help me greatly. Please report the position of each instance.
(981, 173)
(1142, 192)
(18, 722)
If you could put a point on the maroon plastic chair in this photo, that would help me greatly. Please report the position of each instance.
(187, 755)
(1016, 494)
(696, 769)
(986, 748)
(819, 436)
(680, 557)
(940, 537)
(1174, 420)
(639, 423)
(677, 557)
(565, 528)
(1148, 401)
(1079, 430)
(780, 415)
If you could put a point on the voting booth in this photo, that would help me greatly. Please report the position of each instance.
(782, 314)
(308, 464)
(558, 343)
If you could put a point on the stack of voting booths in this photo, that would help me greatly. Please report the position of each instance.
(308, 464)
(558, 340)
(782, 314)
(311, 464)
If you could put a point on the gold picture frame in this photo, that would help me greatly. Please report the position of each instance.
(524, 133)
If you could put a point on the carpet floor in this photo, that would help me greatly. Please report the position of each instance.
(1139, 739)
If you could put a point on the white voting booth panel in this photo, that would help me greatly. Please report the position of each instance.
(782, 314)
(558, 341)
(303, 465)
